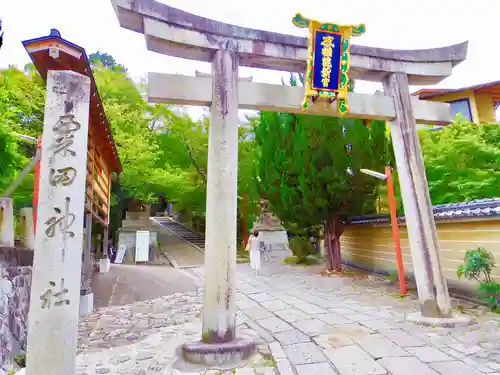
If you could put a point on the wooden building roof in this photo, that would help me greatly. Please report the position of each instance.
(490, 88)
(52, 52)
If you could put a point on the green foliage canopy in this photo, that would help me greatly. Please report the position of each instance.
(309, 165)
(462, 162)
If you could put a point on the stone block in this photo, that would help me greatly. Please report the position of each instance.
(261, 297)
(402, 338)
(323, 368)
(290, 337)
(292, 315)
(333, 319)
(274, 325)
(376, 324)
(352, 360)
(379, 346)
(429, 354)
(406, 366)
(342, 311)
(333, 340)
(304, 353)
(283, 366)
(313, 327)
(258, 313)
(310, 308)
(275, 305)
(454, 368)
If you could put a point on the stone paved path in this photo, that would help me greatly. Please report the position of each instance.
(325, 326)
(180, 253)
(308, 324)
(125, 284)
(144, 338)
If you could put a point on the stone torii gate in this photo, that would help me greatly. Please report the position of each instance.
(177, 33)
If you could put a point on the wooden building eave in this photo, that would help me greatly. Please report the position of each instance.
(52, 52)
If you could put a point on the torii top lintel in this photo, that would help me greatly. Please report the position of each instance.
(177, 33)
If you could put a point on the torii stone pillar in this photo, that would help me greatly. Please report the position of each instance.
(177, 33)
(424, 246)
(219, 342)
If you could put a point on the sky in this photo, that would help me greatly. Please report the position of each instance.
(397, 24)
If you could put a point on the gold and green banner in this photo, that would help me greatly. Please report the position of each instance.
(328, 61)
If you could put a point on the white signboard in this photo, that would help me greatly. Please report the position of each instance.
(142, 246)
(120, 254)
(55, 289)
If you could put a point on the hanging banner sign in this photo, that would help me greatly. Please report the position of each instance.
(328, 61)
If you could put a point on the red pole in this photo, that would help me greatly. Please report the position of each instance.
(37, 183)
(245, 229)
(395, 230)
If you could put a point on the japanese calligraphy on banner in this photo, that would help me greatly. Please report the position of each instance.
(328, 60)
(55, 291)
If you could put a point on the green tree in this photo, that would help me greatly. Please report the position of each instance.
(21, 112)
(184, 145)
(462, 162)
(308, 170)
(23, 95)
(132, 123)
(106, 60)
(247, 158)
(131, 119)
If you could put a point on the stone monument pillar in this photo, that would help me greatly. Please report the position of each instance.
(27, 228)
(55, 288)
(6, 222)
(272, 233)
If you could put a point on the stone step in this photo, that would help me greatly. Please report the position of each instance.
(182, 232)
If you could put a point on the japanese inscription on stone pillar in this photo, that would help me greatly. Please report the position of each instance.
(55, 293)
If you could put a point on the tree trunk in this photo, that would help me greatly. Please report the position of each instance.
(333, 230)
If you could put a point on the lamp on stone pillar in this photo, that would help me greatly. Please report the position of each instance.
(218, 340)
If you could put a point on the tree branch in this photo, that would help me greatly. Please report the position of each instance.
(193, 160)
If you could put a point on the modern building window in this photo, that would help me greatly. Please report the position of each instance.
(461, 106)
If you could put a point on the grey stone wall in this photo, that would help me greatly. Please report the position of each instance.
(15, 286)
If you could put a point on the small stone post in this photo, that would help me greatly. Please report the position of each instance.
(6, 222)
(27, 228)
(86, 295)
(422, 235)
(219, 343)
(55, 290)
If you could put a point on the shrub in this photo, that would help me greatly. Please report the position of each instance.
(291, 260)
(311, 260)
(301, 247)
(20, 359)
(478, 265)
